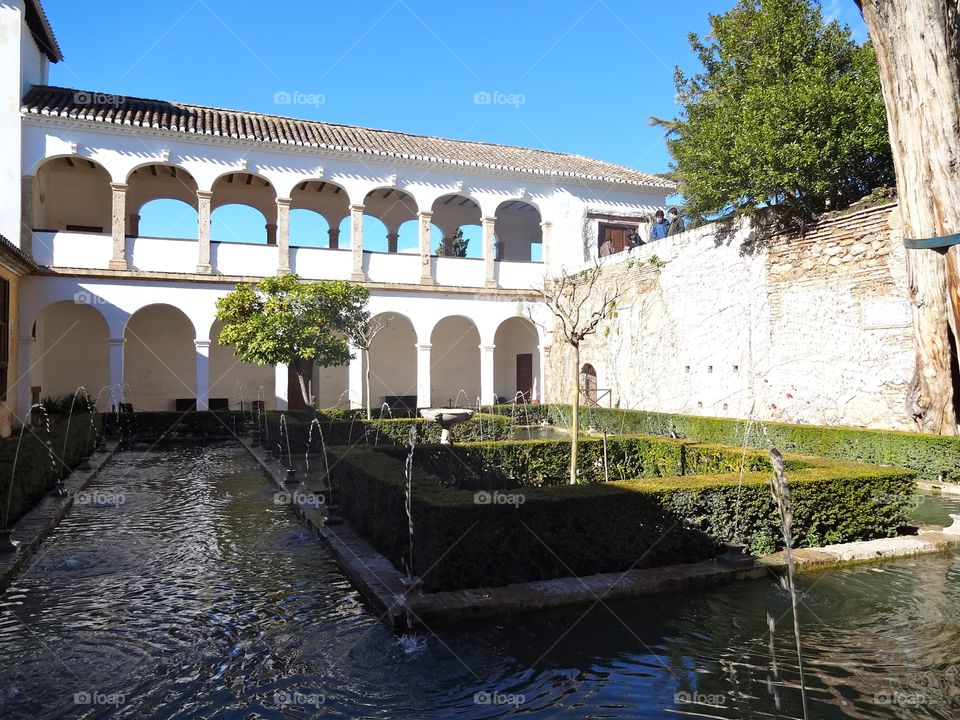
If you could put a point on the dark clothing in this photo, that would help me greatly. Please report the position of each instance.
(676, 226)
(659, 230)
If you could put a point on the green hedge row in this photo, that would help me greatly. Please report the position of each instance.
(178, 425)
(469, 539)
(376, 432)
(933, 456)
(43, 457)
(537, 463)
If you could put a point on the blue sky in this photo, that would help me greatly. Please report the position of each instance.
(578, 76)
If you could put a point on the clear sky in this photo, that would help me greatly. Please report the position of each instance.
(580, 76)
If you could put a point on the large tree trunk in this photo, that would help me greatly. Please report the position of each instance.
(575, 422)
(916, 46)
(366, 381)
(304, 370)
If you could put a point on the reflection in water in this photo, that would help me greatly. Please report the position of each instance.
(194, 595)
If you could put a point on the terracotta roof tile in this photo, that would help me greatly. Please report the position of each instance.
(272, 129)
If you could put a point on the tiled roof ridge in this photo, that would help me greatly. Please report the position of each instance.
(281, 129)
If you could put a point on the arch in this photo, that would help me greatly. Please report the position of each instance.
(155, 181)
(516, 230)
(237, 222)
(588, 382)
(72, 350)
(392, 207)
(72, 193)
(308, 228)
(166, 218)
(251, 190)
(393, 360)
(159, 357)
(456, 211)
(516, 360)
(374, 234)
(328, 199)
(454, 361)
(236, 381)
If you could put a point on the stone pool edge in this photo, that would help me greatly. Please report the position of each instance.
(400, 606)
(43, 518)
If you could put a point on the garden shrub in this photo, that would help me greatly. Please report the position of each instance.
(178, 425)
(41, 460)
(468, 538)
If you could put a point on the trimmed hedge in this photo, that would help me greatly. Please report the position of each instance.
(42, 459)
(538, 463)
(933, 456)
(198, 424)
(539, 533)
(380, 432)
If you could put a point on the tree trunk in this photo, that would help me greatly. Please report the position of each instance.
(304, 370)
(366, 381)
(916, 46)
(575, 422)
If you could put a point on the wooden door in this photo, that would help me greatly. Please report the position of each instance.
(525, 375)
(613, 239)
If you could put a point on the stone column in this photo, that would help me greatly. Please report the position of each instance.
(426, 263)
(26, 215)
(487, 392)
(271, 229)
(23, 394)
(539, 368)
(334, 235)
(392, 239)
(538, 365)
(134, 225)
(203, 373)
(356, 242)
(203, 231)
(355, 378)
(489, 266)
(283, 236)
(118, 260)
(546, 234)
(281, 382)
(423, 375)
(115, 363)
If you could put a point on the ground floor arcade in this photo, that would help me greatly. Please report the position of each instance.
(154, 346)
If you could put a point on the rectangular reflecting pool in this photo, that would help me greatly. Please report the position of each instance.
(178, 588)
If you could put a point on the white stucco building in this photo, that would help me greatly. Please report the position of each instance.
(110, 308)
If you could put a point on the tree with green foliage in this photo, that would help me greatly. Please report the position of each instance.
(787, 111)
(281, 320)
(455, 247)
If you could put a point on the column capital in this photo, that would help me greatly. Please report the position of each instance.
(424, 346)
(488, 219)
(284, 202)
(117, 342)
(356, 208)
(205, 194)
(546, 224)
(118, 187)
(202, 344)
(271, 226)
(487, 348)
(425, 214)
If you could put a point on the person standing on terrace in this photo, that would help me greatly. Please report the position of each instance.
(660, 227)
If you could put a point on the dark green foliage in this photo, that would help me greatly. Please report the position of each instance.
(787, 110)
(42, 459)
(537, 533)
(179, 425)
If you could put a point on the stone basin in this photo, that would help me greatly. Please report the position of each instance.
(446, 418)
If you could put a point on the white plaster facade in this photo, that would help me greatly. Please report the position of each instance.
(135, 315)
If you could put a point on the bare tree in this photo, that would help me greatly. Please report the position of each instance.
(362, 337)
(918, 52)
(579, 303)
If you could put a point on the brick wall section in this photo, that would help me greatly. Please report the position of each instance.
(812, 328)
